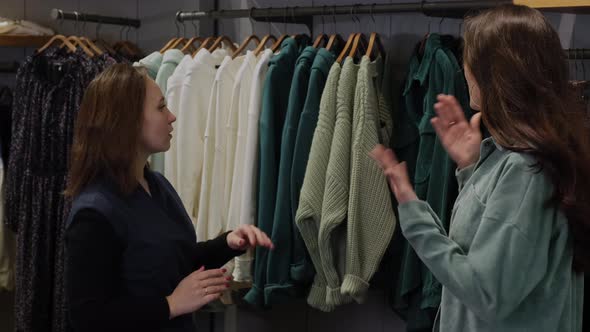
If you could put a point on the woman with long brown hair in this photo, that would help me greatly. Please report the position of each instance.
(518, 242)
(133, 261)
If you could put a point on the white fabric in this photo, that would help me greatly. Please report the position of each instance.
(212, 216)
(238, 118)
(173, 95)
(187, 162)
(248, 199)
(21, 27)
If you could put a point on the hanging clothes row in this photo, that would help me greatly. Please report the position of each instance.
(246, 126)
(49, 88)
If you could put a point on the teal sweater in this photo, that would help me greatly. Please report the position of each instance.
(506, 263)
(275, 97)
(279, 287)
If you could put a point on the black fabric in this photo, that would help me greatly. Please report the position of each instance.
(5, 122)
(152, 247)
(47, 96)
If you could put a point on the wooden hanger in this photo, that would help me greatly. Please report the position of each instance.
(218, 42)
(204, 44)
(319, 39)
(347, 46)
(335, 38)
(374, 39)
(167, 46)
(360, 44)
(78, 43)
(245, 44)
(105, 46)
(275, 47)
(189, 47)
(182, 42)
(263, 42)
(92, 46)
(58, 38)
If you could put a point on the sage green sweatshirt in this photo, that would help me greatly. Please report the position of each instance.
(506, 263)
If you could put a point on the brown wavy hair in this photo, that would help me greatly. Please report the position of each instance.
(107, 129)
(517, 59)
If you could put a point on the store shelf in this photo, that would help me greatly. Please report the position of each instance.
(23, 41)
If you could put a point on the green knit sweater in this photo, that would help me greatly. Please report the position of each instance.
(371, 220)
(311, 198)
(332, 237)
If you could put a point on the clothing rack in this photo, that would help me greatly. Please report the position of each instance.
(58, 14)
(578, 53)
(304, 14)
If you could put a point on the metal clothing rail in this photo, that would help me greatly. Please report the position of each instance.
(578, 53)
(289, 14)
(58, 14)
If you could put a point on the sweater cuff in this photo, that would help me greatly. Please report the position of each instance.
(334, 297)
(160, 310)
(463, 175)
(317, 298)
(355, 287)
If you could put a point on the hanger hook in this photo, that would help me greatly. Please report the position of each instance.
(177, 28)
(97, 29)
(61, 17)
(76, 22)
(461, 27)
(440, 25)
(83, 24)
(293, 14)
(128, 29)
(195, 27)
(285, 20)
(582, 63)
(323, 19)
(268, 19)
(334, 17)
(251, 19)
(372, 16)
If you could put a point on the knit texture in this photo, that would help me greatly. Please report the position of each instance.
(332, 244)
(371, 220)
(312, 192)
(302, 270)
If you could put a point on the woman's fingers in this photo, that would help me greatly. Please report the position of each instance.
(208, 274)
(262, 238)
(385, 158)
(217, 281)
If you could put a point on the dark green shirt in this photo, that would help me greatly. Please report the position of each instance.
(432, 169)
(279, 288)
(275, 97)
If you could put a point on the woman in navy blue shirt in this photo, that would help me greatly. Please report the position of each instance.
(133, 260)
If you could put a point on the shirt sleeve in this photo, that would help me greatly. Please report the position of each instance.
(214, 253)
(93, 280)
(515, 227)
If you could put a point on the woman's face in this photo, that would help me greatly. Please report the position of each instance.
(474, 92)
(157, 120)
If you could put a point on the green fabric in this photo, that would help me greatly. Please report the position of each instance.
(275, 98)
(151, 63)
(432, 170)
(332, 236)
(506, 263)
(279, 287)
(302, 270)
(170, 60)
(308, 215)
(371, 220)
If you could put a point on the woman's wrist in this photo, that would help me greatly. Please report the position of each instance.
(170, 307)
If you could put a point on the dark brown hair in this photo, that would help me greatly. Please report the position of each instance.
(107, 129)
(517, 60)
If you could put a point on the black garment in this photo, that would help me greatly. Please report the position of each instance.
(126, 253)
(47, 97)
(5, 122)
